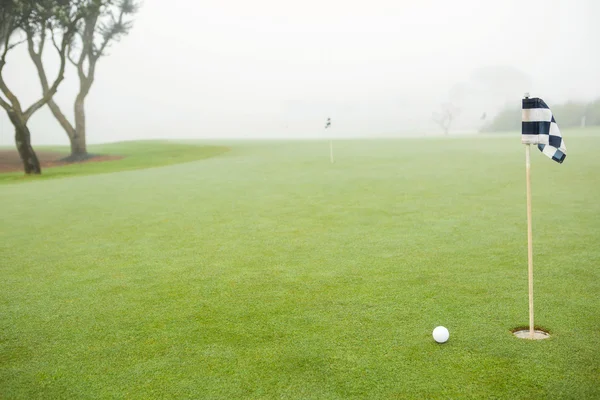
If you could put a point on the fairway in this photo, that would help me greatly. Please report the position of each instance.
(265, 272)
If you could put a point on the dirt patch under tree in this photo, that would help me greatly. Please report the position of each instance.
(11, 162)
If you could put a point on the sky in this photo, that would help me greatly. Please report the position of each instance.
(279, 69)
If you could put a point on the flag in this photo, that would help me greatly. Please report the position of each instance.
(328, 123)
(539, 127)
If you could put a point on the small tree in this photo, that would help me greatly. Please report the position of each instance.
(103, 22)
(444, 118)
(35, 19)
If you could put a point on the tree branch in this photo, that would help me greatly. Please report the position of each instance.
(9, 94)
(12, 46)
(43, 36)
(117, 26)
(37, 61)
(9, 31)
(48, 95)
(102, 47)
(79, 65)
(70, 59)
(14, 102)
(4, 104)
(54, 40)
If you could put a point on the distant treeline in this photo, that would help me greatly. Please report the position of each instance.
(567, 115)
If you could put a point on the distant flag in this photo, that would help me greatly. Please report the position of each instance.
(328, 125)
(539, 127)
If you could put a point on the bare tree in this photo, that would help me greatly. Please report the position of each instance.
(103, 22)
(35, 19)
(444, 118)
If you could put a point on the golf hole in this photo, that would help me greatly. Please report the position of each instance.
(523, 332)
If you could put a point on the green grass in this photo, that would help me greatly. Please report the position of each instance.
(137, 155)
(267, 273)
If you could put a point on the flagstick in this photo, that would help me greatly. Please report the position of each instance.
(529, 241)
(331, 150)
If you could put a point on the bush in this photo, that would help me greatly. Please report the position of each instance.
(592, 113)
(569, 115)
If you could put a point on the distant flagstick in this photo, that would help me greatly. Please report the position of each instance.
(538, 127)
(331, 150)
(328, 125)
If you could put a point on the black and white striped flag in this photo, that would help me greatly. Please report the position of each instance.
(539, 127)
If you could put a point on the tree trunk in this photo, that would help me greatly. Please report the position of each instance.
(31, 164)
(78, 144)
(78, 148)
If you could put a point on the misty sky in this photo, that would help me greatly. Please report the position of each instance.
(263, 68)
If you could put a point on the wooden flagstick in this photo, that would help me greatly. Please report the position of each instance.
(529, 240)
(327, 125)
(331, 150)
(532, 333)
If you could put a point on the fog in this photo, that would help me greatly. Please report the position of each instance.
(278, 69)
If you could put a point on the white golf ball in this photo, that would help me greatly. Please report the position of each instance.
(441, 334)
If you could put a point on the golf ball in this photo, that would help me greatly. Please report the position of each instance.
(441, 334)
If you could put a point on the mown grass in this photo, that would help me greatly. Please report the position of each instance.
(270, 274)
(136, 155)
